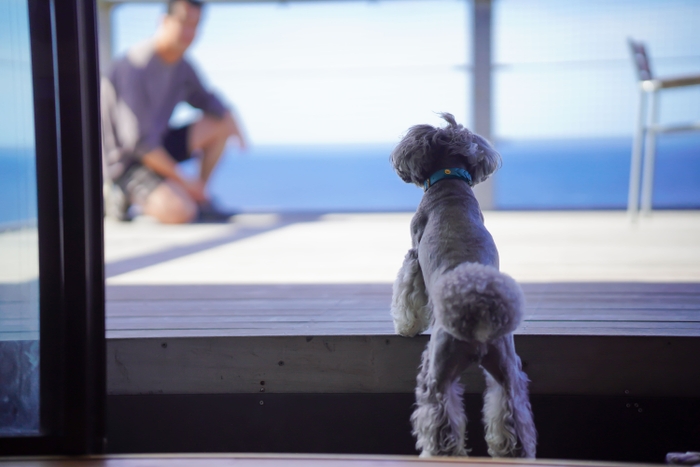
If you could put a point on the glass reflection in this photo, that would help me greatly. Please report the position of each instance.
(19, 256)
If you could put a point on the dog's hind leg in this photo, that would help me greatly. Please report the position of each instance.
(409, 304)
(510, 429)
(439, 421)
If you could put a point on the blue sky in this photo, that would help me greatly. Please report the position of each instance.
(327, 72)
(565, 67)
(339, 72)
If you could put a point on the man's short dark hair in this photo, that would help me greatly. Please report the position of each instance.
(196, 3)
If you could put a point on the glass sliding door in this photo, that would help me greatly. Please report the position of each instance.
(52, 381)
(19, 242)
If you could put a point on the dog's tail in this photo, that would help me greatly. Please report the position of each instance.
(475, 302)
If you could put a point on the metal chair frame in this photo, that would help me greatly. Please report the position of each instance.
(648, 127)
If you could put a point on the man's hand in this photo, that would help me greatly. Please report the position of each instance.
(234, 130)
(195, 188)
(163, 164)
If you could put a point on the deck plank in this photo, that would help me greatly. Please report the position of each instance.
(355, 309)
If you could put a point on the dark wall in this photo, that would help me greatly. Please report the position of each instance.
(570, 427)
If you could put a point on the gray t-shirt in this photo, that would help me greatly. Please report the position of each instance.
(138, 98)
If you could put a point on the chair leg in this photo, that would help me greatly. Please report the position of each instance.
(650, 155)
(636, 162)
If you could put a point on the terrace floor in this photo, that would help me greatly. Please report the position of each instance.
(583, 273)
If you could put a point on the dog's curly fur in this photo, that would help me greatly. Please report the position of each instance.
(450, 279)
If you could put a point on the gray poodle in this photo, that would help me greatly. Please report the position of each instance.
(450, 280)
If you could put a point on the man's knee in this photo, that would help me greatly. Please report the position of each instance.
(209, 130)
(227, 127)
(171, 205)
(179, 211)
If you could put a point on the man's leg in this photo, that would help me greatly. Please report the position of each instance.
(209, 135)
(162, 199)
(170, 204)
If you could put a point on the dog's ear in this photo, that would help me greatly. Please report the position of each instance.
(415, 156)
(481, 159)
(411, 158)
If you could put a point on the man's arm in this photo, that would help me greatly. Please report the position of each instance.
(234, 129)
(197, 96)
(163, 164)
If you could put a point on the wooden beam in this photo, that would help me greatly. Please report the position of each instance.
(104, 31)
(481, 87)
(556, 365)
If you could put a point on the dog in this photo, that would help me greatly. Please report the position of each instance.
(450, 280)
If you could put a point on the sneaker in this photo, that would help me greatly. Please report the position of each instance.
(210, 214)
(683, 458)
(116, 202)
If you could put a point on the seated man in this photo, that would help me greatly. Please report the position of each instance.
(140, 150)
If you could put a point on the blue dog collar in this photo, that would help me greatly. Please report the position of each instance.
(447, 173)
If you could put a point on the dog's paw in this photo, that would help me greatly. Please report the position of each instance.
(406, 329)
(409, 324)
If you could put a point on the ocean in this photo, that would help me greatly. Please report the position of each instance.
(536, 175)
(17, 185)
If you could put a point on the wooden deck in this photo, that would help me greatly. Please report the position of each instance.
(624, 309)
(540, 247)
(302, 302)
(583, 273)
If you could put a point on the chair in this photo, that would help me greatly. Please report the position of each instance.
(648, 127)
